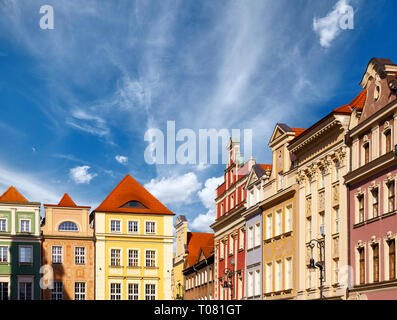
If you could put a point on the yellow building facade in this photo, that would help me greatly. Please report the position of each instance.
(134, 240)
(178, 279)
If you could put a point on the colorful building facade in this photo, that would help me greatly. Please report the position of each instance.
(68, 247)
(19, 247)
(178, 279)
(372, 186)
(134, 240)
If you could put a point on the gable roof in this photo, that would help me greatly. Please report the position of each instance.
(130, 190)
(13, 195)
(198, 243)
(260, 169)
(67, 202)
(285, 129)
(357, 103)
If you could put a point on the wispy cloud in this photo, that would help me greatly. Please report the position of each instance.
(80, 175)
(122, 159)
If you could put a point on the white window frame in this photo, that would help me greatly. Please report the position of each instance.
(57, 294)
(155, 226)
(250, 237)
(6, 224)
(289, 273)
(116, 294)
(137, 226)
(289, 221)
(81, 294)
(21, 222)
(24, 280)
(134, 295)
(269, 225)
(120, 258)
(7, 254)
(120, 226)
(278, 222)
(257, 235)
(6, 279)
(130, 259)
(153, 296)
(79, 257)
(19, 254)
(155, 258)
(58, 255)
(269, 277)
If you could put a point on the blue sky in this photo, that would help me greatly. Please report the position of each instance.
(76, 101)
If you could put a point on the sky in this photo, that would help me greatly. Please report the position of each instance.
(77, 100)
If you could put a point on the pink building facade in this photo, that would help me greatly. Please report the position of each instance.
(372, 186)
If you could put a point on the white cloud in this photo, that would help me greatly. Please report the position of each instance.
(202, 166)
(203, 221)
(177, 189)
(328, 27)
(121, 159)
(81, 175)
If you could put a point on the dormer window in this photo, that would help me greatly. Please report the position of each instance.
(134, 204)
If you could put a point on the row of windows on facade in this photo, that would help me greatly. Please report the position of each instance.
(199, 279)
(226, 293)
(321, 224)
(278, 275)
(25, 290)
(24, 225)
(373, 205)
(133, 226)
(57, 254)
(233, 196)
(230, 244)
(389, 259)
(283, 222)
(133, 258)
(386, 142)
(321, 181)
(25, 255)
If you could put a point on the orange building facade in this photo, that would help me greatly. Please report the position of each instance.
(68, 247)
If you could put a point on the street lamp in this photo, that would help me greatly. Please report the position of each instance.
(319, 264)
(179, 295)
(228, 284)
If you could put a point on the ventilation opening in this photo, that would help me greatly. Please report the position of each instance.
(133, 204)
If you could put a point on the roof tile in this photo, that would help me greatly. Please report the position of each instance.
(13, 195)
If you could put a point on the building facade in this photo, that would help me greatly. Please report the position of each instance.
(134, 240)
(372, 186)
(198, 269)
(19, 247)
(279, 215)
(229, 227)
(178, 279)
(68, 247)
(258, 177)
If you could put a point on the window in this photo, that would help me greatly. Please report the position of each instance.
(115, 291)
(309, 186)
(361, 253)
(391, 195)
(269, 277)
(221, 249)
(388, 140)
(115, 226)
(79, 291)
(231, 245)
(375, 203)
(375, 262)
(56, 254)
(79, 255)
(134, 204)
(115, 257)
(57, 291)
(25, 226)
(288, 219)
(250, 283)
(257, 284)
(288, 273)
(133, 226)
(392, 259)
(150, 227)
(3, 291)
(25, 291)
(241, 239)
(232, 201)
(336, 220)
(337, 167)
(278, 271)
(222, 209)
(336, 270)
(250, 237)
(4, 254)
(360, 208)
(269, 226)
(68, 226)
(280, 181)
(133, 293)
(309, 229)
(257, 234)
(279, 223)
(366, 153)
(3, 225)
(150, 292)
(322, 223)
(322, 177)
(132, 258)
(25, 255)
(150, 258)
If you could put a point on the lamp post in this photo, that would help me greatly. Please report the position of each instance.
(319, 264)
(229, 281)
(179, 295)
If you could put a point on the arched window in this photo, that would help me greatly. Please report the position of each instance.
(68, 226)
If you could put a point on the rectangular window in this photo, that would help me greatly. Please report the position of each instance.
(288, 273)
(322, 178)
(250, 283)
(150, 292)
(150, 258)
(150, 227)
(279, 279)
(24, 225)
(375, 261)
(25, 291)
(25, 255)
(361, 208)
(250, 237)
(288, 219)
(337, 166)
(115, 257)
(115, 291)
(336, 270)
(115, 226)
(257, 284)
(269, 226)
(336, 220)
(362, 265)
(133, 226)
(280, 181)
(79, 255)
(388, 140)
(79, 291)
(241, 239)
(269, 277)
(3, 225)
(392, 259)
(132, 258)
(3, 291)
(57, 291)
(133, 293)
(375, 203)
(309, 229)
(221, 249)
(322, 223)
(56, 254)
(279, 223)
(366, 153)
(257, 234)
(391, 195)
(231, 245)
(3, 254)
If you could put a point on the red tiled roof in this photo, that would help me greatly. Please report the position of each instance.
(66, 201)
(130, 190)
(13, 195)
(357, 103)
(197, 241)
(266, 167)
(298, 131)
